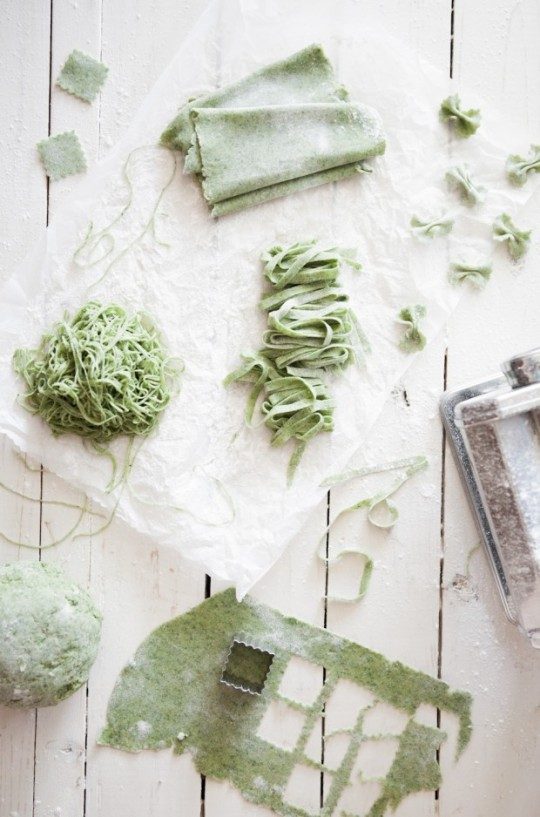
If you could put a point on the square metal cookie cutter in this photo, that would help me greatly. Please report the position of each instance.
(246, 667)
(494, 428)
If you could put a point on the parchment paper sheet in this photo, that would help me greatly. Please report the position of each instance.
(201, 281)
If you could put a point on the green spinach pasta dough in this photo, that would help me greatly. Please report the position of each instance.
(306, 76)
(49, 635)
(268, 146)
(286, 127)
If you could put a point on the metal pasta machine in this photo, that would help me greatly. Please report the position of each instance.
(494, 428)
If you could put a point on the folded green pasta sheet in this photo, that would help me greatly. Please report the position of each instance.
(286, 127)
(251, 149)
(305, 76)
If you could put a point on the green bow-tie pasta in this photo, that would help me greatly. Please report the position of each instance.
(519, 167)
(464, 123)
(306, 76)
(476, 274)
(516, 241)
(251, 149)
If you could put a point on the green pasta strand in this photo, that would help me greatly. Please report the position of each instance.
(380, 512)
(293, 406)
(101, 374)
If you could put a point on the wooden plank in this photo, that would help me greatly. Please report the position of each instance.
(496, 55)
(137, 587)
(24, 44)
(296, 584)
(399, 615)
(61, 730)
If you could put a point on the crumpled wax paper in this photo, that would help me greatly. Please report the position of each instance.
(204, 483)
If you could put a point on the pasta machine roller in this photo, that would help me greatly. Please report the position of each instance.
(494, 428)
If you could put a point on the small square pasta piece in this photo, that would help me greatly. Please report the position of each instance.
(62, 155)
(82, 76)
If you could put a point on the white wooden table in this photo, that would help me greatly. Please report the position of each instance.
(49, 761)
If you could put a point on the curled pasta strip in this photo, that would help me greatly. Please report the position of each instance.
(294, 407)
(311, 330)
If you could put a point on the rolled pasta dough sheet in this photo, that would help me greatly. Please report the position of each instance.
(305, 76)
(266, 146)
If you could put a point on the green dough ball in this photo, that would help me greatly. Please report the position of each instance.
(49, 634)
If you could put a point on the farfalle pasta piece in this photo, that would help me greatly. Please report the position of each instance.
(464, 123)
(518, 168)
(517, 241)
(433, 227)
(413, 339)
(476, 274)
(459, 179)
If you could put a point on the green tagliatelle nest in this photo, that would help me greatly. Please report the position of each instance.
(101, 374)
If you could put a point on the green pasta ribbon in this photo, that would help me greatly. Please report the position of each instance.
(101, 374)
(380, 512)
(311, 330)
(413, 339)
(460, 180)
(432, 228)
(476, 274)
(464, 123)
(518, 168)
(294, 406)
(517, 241)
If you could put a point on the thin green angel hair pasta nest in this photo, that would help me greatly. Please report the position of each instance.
(432, 228)
(518, 167)
(517, 241)
(464, 123)
(101, 374)
(413, 339)
(460, 180)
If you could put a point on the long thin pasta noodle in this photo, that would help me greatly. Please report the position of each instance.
(380, 512)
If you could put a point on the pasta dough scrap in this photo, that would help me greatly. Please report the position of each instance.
(268, 146)
(82, 76)
(62, 155)
(173, 686)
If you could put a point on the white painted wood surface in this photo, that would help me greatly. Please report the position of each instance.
(49, 761)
